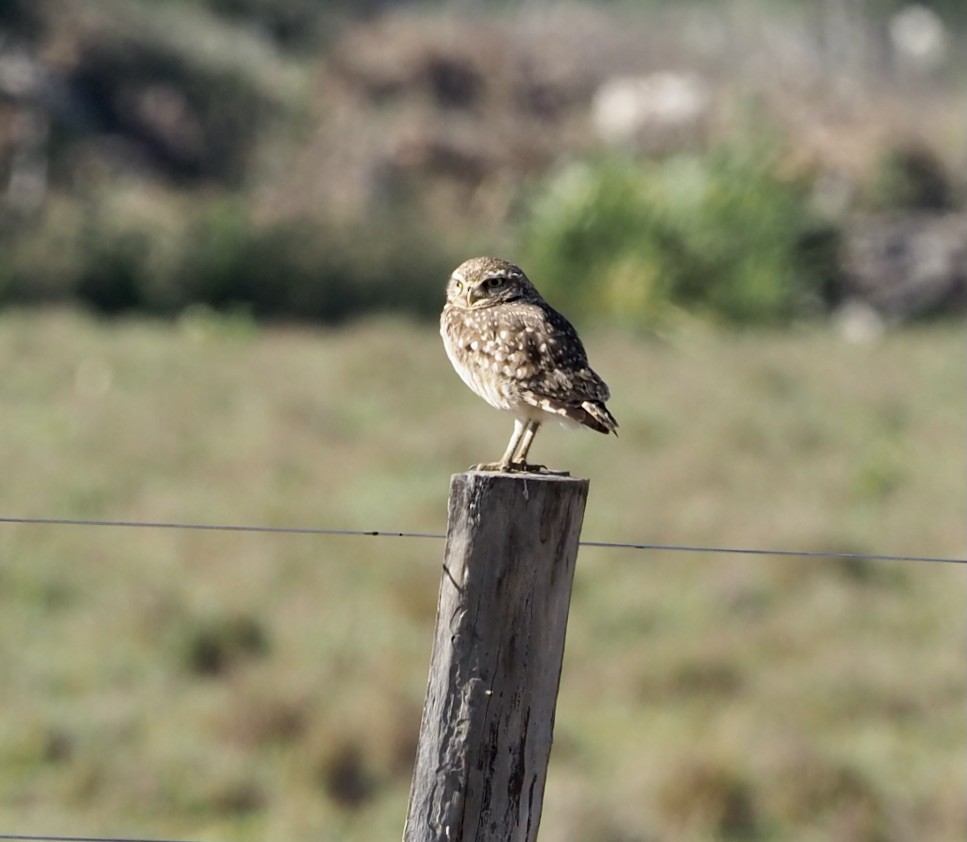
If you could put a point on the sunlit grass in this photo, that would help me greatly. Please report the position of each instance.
(250, 686)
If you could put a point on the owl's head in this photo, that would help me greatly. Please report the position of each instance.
(486, 281)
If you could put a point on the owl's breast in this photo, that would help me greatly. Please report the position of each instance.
(480, 351)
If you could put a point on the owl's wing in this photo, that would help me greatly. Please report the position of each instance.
(562, 382)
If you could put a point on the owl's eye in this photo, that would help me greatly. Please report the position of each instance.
(458, 286)
(495, 282)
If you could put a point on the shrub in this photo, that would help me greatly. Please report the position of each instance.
(305, 269)
(161, 254)
(212, 645)
(710, 798)
(910, 177)
(722, 235)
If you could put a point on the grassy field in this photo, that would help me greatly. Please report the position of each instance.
(166, 683)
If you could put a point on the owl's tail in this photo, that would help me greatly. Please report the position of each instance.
(595, 416)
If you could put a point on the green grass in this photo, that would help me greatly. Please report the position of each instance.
(268, 687)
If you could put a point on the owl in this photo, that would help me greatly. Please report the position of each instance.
(520, 355)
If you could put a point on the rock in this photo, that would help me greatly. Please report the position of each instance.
(625, 108)
(907, 266)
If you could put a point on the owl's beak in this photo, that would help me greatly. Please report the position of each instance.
(473, 295)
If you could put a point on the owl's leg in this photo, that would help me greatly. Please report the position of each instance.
(507, 459)
(524, 445)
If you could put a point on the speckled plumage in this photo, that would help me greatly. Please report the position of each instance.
(519, 354)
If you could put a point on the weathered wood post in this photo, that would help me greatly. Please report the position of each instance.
(488, 718)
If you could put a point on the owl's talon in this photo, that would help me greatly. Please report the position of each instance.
(517, 468)
(527, 467)
(489, 466)
(507, 467)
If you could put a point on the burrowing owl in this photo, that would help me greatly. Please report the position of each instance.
(520, 355)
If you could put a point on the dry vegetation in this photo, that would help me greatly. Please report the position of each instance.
(228, 686)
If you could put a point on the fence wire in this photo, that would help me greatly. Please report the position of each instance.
(393, 533)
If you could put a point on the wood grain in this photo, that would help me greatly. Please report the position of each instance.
(488, 718)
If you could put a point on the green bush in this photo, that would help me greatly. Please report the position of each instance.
(161, 253)
(721, 235)
(308, 270)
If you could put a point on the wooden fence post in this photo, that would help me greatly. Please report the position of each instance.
(488, 718)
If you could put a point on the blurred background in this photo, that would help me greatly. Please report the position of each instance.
(225, 230)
